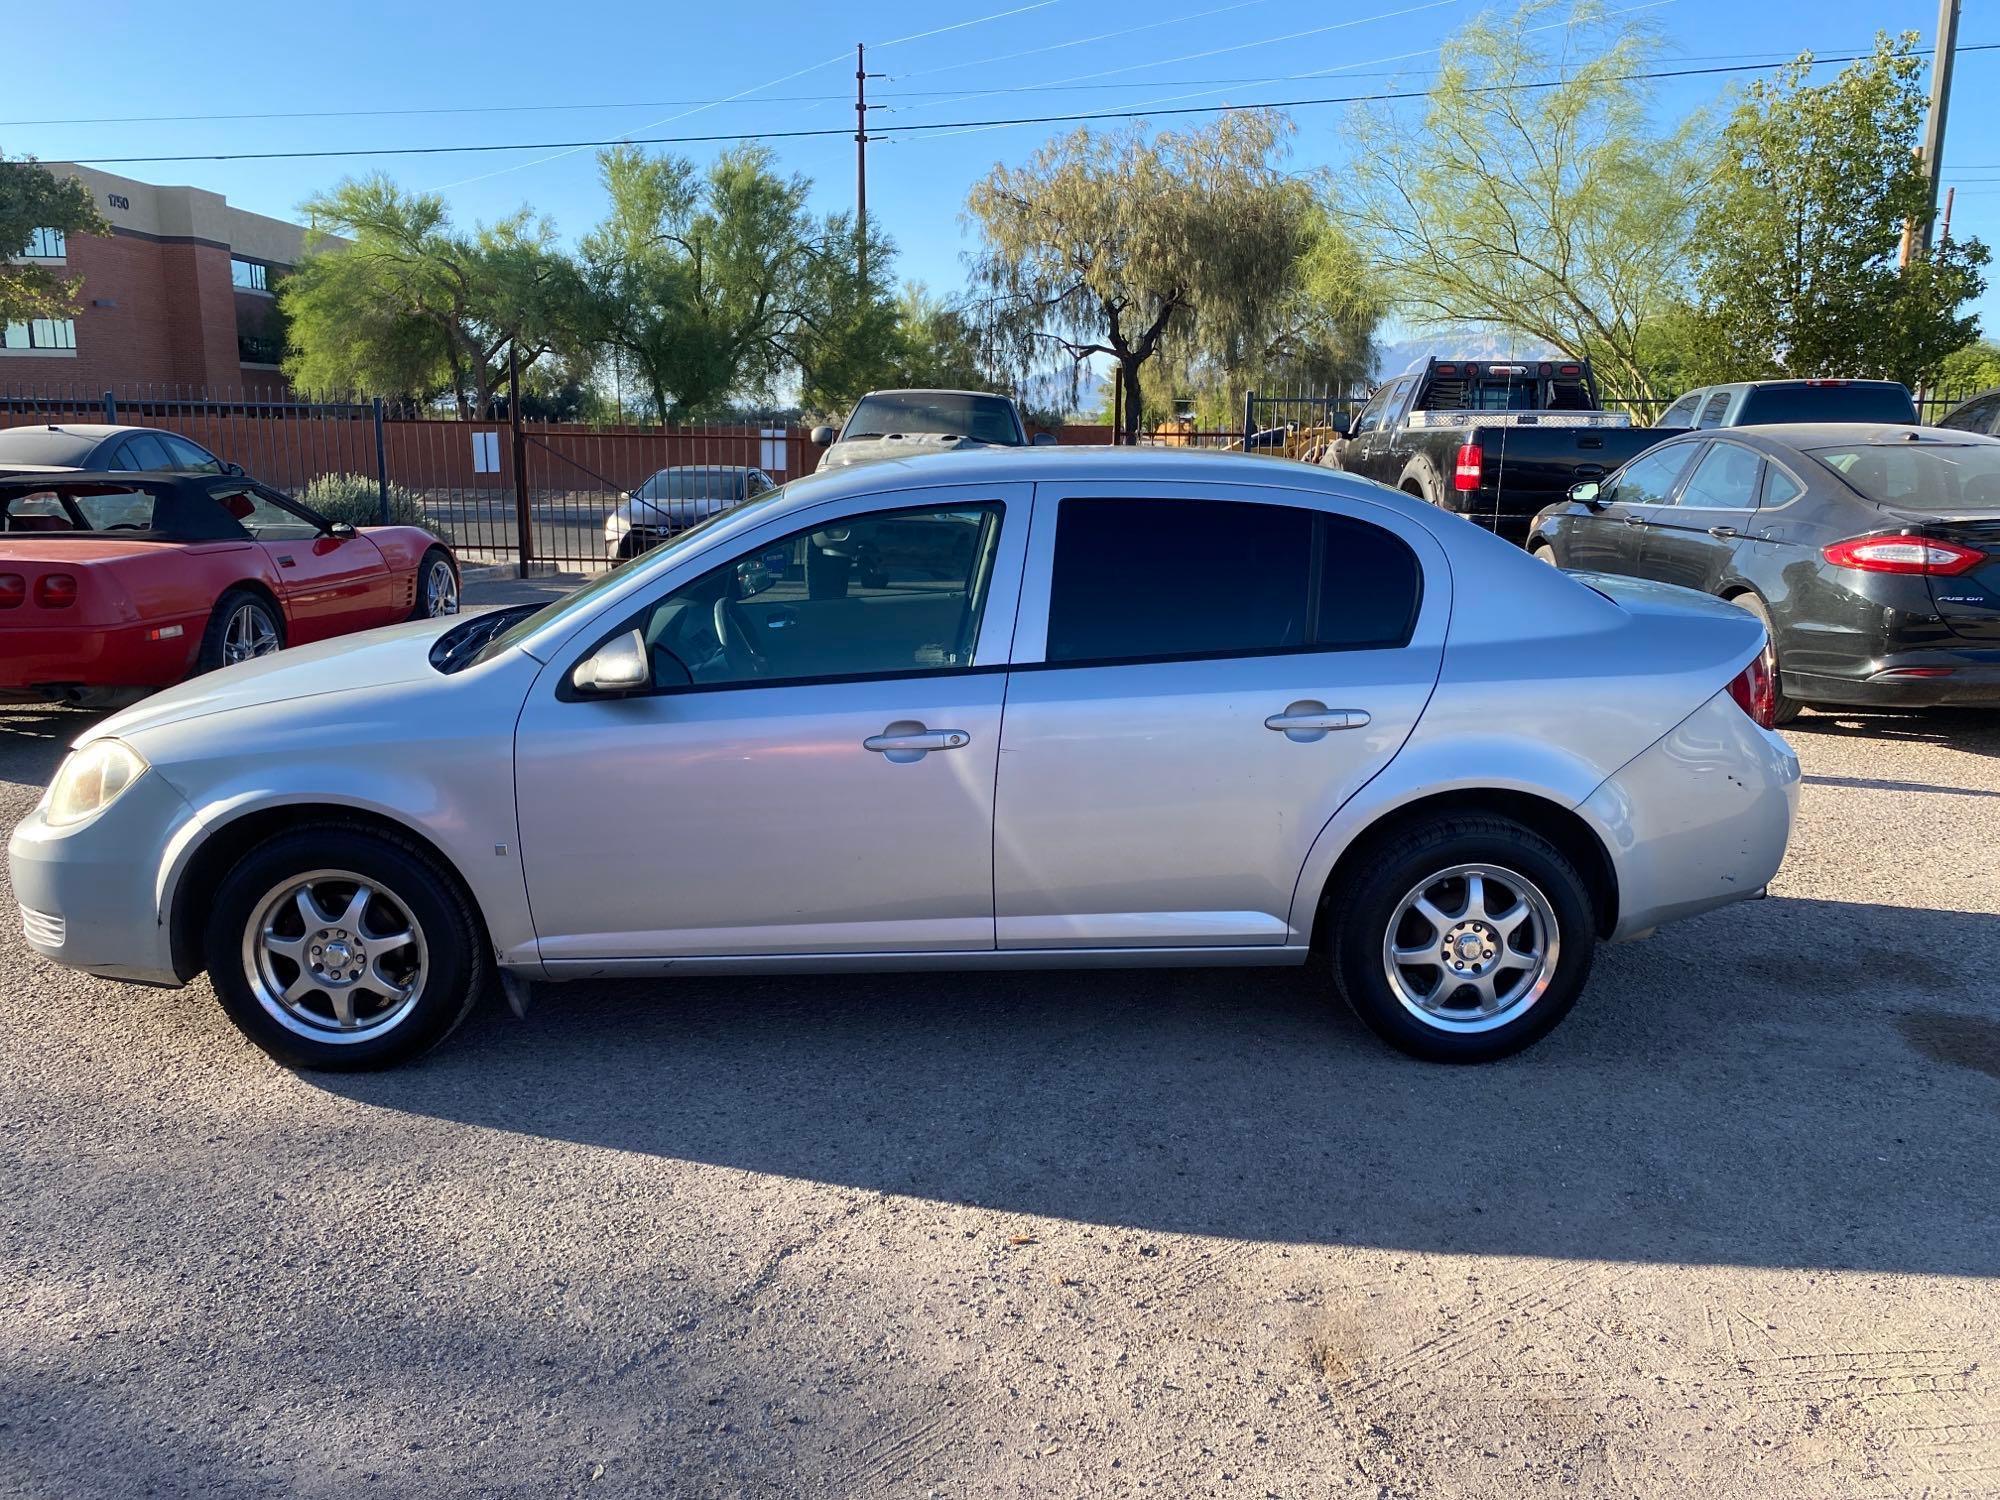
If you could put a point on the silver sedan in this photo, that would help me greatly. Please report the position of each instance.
(1052, 707)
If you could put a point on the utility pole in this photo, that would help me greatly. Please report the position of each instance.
(861, 108)
(1947, 43)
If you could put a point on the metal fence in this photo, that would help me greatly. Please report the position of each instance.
(533, 494)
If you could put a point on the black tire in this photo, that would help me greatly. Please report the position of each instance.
(214, 636)
(1785, 709)
(406, 877)
(423, 607)
(1359, 915)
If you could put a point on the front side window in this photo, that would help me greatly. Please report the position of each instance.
(1725, 479)
(1149, 579)
(1371, 414)
(188, 457)
(887, 594)
(1650, 478)
(264, 518)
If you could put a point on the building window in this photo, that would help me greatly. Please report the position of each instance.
(46, 244)
(39, 333)
(249, 275)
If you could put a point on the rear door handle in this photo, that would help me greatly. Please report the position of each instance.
(908, 740)
(1309, 720)
(1724, 532)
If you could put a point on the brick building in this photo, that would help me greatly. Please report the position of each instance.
(179, 296)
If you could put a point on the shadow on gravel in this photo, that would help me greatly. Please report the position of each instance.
(1735, 1091)
(1974, 730)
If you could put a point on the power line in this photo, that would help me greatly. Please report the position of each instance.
(1081, 117)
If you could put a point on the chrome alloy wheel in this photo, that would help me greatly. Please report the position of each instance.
(440, 591)
(250, 633)
(1470, 948)
(334, 956)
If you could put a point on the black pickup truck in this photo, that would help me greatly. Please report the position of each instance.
(1492, 440)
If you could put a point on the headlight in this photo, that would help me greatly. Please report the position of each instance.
(616, 526)
(90, 781)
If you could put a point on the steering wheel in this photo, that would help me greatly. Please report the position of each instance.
(742, 645)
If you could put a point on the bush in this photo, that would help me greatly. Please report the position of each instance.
(357, 500)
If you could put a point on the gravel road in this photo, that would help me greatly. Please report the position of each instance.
(1733, 1230)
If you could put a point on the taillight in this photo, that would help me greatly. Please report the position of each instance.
(55, 590)
(1814, 385)
(13, 590)
(1755, 693)
(1465, 473)
(1903, 554)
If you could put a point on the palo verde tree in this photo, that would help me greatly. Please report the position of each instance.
(32, 197)
(1132, 246)
(709, 284)
(1552, 212)
(1797, 247)
(413, 305)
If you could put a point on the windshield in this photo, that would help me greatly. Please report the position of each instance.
(693, 484)
(584, 598)
(988, 419)
(1772, 404)
(43, 445)
(1920, 476)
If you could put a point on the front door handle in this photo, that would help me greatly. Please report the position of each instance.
(1724, 532)
(908, 740)
(1635, 520)
(1309, 720)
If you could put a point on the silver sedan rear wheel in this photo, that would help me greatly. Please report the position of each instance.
(335, 956)
(1471, 947)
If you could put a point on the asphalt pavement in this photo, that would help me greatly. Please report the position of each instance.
(1732, 1230)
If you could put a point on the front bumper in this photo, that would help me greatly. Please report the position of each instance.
(1699, 820)
(89, 893)
(1930, 678)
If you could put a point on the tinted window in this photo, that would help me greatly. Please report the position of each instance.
(1681, 413)
(1165, 578)
(144, 451)
(1974, 416)
(1711, 414)
(1725, 479)
(694, 484)
(1371, 414)
(41, 445)
(895, 592)
(1650, 478)
(1926, 477)
(187, 456)
(1827, 403)
(990, 419)
(1780, 486)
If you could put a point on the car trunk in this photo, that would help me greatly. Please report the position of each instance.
(1968, 603)
(69, 581)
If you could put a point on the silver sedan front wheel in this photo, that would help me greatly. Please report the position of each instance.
(1471, 947)
(335, 956)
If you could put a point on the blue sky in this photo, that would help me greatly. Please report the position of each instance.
(324, 73)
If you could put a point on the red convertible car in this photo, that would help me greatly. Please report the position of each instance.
(112, 584)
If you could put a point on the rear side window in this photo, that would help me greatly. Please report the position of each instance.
(1151, 579)
(1725, 479)
(1711, 414)
(145, 452)
(1681, 413)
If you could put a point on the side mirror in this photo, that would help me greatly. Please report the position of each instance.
(1587, 493)
(1340, 422)
(620, 665)
(822, 437)
(340, 531)
(234, 471)
(1043, 440)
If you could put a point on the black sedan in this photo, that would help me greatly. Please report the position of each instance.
(106, 446)
(1871, 553)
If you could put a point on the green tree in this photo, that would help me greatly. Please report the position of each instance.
(1553, 212)
(941, 344)
(711, 284)
(413, 305)
(1134, 246)
(1973, 368)
(32, 197)
(1797, 247)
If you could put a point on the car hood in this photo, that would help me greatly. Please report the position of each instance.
(353, 664)
(638, 512)
(896, 445)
